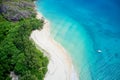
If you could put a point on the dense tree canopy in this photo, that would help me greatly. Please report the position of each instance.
(17, 52)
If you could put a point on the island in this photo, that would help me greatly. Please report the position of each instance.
(27, 50)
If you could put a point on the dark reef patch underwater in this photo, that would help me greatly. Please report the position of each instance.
(83, 27)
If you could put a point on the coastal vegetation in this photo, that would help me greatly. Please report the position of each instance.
(17, 52)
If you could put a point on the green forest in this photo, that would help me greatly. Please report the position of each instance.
(17, 52)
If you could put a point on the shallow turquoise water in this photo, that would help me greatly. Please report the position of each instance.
(83, 27)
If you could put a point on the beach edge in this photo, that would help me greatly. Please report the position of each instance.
(67, 71)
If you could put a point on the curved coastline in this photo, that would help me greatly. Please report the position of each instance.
(60, 65)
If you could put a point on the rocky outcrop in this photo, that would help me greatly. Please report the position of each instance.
(15, 11)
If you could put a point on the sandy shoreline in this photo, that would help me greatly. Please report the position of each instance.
(60, 66)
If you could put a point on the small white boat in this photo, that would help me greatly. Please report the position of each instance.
(99, 51)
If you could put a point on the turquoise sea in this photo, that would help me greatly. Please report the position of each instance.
(83, 27)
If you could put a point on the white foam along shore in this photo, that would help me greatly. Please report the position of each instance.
(60, 65)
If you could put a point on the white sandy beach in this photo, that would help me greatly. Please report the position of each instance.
(60, 65)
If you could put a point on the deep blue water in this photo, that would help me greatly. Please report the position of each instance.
(83, 27)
